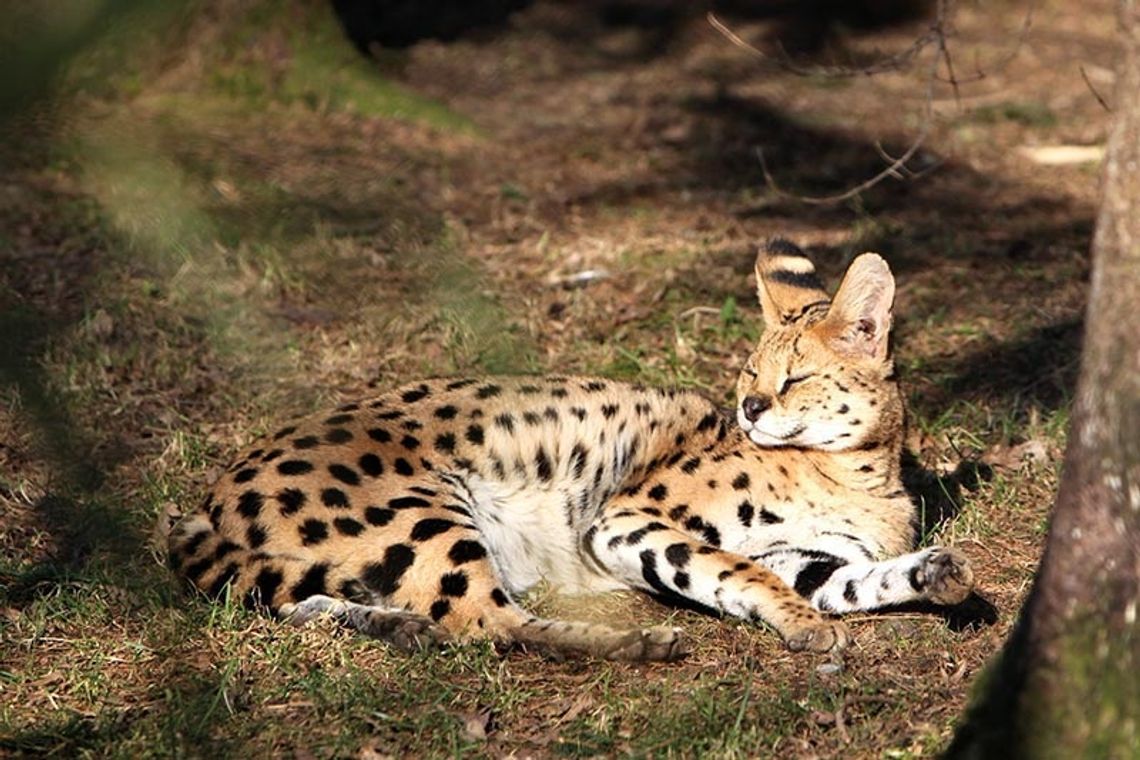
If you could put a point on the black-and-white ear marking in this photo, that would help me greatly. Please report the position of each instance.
(786, 282)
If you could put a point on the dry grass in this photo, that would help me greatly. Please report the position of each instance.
(211, 238)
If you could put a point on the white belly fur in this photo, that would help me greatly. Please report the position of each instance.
(524, 529)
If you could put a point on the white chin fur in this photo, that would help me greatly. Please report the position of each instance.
(763, 439)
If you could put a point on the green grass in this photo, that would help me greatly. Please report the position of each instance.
(1027, 113)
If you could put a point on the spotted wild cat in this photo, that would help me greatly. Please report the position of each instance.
(424, 513)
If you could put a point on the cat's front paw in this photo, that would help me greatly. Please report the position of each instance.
(945, 576)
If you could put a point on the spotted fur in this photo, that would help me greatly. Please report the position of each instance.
(424, 513)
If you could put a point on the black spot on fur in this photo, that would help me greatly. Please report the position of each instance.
(505, 421)
(658, 492)
(225, 578)
(475, 434)
(335, 498)
(249, 504)
(543, 466)
(745, 511)
(447, 412)
(708, 422)
(378, 516)
(499, 598)
(338, 419)
(371, 465)
(915, 582)
(255, 535)
(380, 435)
(636, 536)
(408, 502)
(430, 527)
(294, 467)
(453, 584)
(344, 474)
(338, 435)
(649, 572)
(403, 467)
(681, 580)
(609, 410)
(415, 394)
(312, 583)
(272, 455)
(691, 465)
(224, 548)
(284, 432)
(466, 550)
(347, 526)
(559, 392)
(246, 475)
(455, 385)
(291, 500)
(770, 517)
(488, 391)
(313, 531)
(677, 512)
(265, 586)
(815, 574)
(410, 442)
(594, 386)
(550, 413)
(678, 555)
(384, 577)
(195, 571)
(439, 608)
(850, 593)
(445, 443)
(741, 482)
(578, 460)
(709, 532)
(578, 412)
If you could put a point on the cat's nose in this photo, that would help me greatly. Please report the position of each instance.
(754, 406)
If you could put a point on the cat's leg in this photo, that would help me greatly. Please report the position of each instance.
(648, 554)
(938, 574)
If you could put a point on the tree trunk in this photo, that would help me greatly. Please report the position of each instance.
(1068, 682)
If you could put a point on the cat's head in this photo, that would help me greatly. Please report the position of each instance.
(821, 376)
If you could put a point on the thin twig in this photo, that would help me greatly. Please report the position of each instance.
(944, 8)
(936, 35)
(892, 168)
(894, 62)
(1089, 84)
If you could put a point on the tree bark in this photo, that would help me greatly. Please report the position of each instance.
(1067, 684)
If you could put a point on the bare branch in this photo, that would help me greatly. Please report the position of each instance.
(936, 35)
(895, 62)
(1103, 104)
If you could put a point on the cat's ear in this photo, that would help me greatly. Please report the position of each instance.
(859, 321)
(786, 282)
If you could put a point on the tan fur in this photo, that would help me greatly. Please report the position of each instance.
(421, 514)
